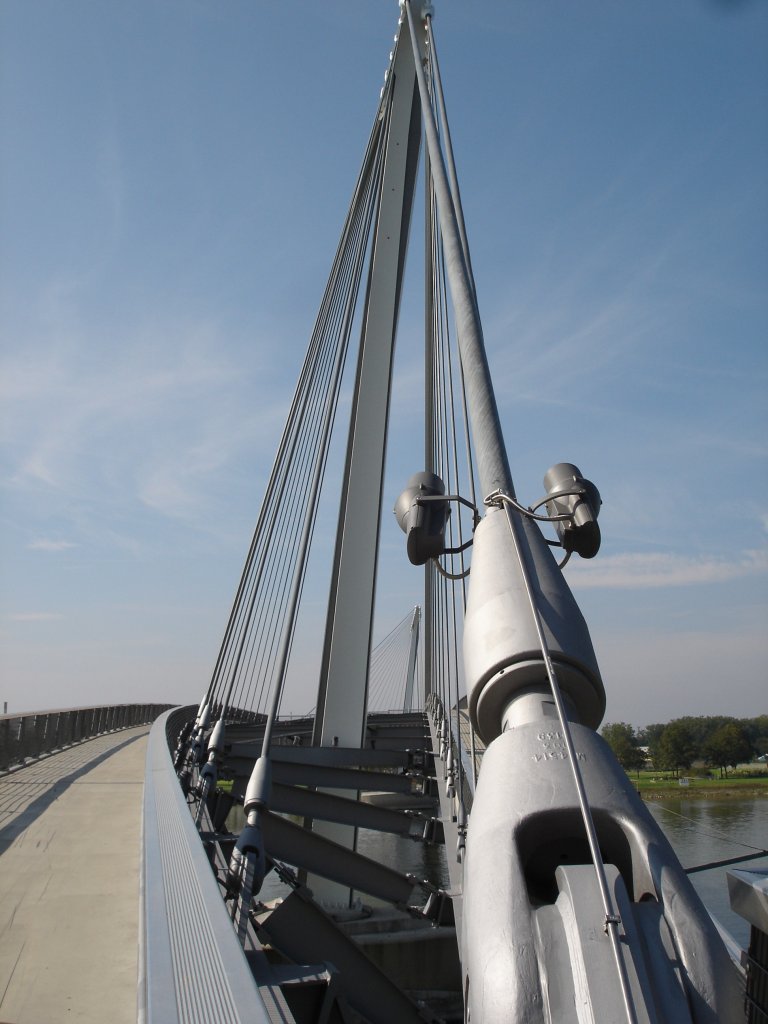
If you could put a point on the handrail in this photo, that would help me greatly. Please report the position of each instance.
(192, 969)
(35, 734)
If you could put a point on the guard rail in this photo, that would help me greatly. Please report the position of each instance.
(35, 734)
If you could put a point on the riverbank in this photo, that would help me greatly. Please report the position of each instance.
(651, 788)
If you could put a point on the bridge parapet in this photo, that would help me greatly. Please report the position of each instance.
(192, 969)
(34, 734)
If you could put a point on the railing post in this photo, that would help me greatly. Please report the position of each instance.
(53, 731)
(22, 738)
(31, 736)
(5, 744)
(45, 734)
(37, 744)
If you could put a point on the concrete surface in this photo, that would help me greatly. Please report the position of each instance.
(70, 828)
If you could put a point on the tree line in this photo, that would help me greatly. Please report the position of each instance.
(716, 740)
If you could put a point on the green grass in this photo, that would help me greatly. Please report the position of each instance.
(650, 782)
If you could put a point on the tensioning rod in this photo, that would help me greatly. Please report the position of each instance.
(493, 466)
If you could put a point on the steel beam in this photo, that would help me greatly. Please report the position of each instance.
(338, 757)
(298, 928)
(342, 696)
(336, 778)
(305, 803)
(343, 685)
(325, 859)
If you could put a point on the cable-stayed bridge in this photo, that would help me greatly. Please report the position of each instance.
(551, 894)
(561, 900)
(560, 897)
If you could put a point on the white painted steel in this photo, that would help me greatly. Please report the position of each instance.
(411, 671)
(192, 967)
(343, 691)
(344, 683)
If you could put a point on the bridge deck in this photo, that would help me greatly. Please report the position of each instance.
(69, 883)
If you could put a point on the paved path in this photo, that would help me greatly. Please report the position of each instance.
(70, 829)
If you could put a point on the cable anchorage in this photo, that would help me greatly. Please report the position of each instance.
(612, 918)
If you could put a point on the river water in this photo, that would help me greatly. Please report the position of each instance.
(702, 830)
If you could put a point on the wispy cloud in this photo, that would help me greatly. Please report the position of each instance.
(35, 616)
(156, 421)
(44, 544)
(664, 570)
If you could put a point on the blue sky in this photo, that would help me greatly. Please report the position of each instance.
(173, 180)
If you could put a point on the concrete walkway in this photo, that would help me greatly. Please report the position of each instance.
(70, 829)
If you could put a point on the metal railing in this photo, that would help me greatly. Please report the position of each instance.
(192, 970)
(35, 734)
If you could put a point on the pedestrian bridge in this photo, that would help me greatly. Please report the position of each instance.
(71, 785)
(107, 897)
(107, 893)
